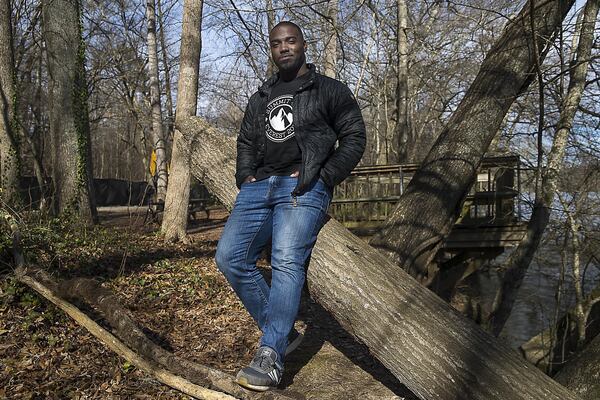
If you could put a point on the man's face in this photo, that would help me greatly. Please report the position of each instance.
(287, 47)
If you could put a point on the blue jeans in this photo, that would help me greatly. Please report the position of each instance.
(265, 210)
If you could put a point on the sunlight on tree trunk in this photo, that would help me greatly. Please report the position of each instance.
(158, 137)
(177, 199)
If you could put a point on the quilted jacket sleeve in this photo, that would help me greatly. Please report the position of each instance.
(246, 152)
(350, 129)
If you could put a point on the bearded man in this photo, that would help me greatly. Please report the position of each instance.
(287, 166)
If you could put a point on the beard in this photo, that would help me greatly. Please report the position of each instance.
(292, 64)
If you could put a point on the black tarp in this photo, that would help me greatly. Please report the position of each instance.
(108, 192)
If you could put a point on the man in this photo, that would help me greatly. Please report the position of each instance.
(287, 166)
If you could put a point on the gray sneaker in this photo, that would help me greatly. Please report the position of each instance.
(294, 340)
(263, 373)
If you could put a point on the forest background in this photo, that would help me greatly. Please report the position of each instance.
(90, 90)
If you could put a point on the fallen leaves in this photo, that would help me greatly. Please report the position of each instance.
(175, 292)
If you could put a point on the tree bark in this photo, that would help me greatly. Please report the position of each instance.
(158, 136)
(427, 345)
(9, 143)
(270, 25)
(165, 58)
(432, 201)
(549, 349)
(330, 61)
(69, 120)
(33, 139)
(402, 135)
(582, 374)
(520, 259)
(178, 193)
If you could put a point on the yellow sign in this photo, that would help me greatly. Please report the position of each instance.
(153, 163)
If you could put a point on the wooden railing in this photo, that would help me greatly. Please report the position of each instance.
(367, 197)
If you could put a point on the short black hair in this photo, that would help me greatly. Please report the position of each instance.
(293, 25)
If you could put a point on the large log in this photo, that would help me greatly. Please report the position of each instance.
(582, 374)
(436, 352)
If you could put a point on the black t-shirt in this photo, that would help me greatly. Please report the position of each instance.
(282, 153)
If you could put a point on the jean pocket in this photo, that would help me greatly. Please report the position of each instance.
(326, 187)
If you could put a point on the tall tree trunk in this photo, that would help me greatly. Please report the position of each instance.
(330, 61)
(165, 58)
(433, 199)
(33, 140)
(432, 349)
(9, 143)
(178, 192)
(69, 120)
(402, 137)
(158, 137)
(270, 25)
(518, 263)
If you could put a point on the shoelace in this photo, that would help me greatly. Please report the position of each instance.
(263, 358)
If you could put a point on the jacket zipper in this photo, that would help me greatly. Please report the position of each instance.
(302, 149)
(300, 143)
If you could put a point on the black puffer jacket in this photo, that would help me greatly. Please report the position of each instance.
(324, 111)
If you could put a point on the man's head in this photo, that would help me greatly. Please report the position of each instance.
(287, 46)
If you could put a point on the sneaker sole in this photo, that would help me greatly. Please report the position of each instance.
(244, 383)
(294, 344)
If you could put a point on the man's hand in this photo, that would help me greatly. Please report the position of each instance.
(295, 174)
(249, 178)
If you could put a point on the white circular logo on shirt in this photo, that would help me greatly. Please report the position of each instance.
(280, 120)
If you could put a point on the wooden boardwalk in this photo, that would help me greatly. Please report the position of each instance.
(490, 218)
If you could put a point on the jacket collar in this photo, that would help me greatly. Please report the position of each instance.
(265, 88)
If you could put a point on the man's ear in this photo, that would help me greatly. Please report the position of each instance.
(305, 46)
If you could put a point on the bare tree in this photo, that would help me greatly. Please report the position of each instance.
(158, 137)
(440, 186)
(330, 62)
(518, 263)
(69, 123)
(402, 131)
(167, 69)
(9, 143)
(178, 193)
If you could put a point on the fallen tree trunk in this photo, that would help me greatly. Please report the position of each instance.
(162, 375)
(144, 354)
(549, 349)
(184, 375)
(582, 374)
(432, 349)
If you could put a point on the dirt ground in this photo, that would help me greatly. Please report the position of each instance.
(175, 292)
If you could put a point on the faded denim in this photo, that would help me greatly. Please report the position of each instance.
(265, 210)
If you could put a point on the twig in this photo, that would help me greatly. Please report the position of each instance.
(168, 368)
(162, 375)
